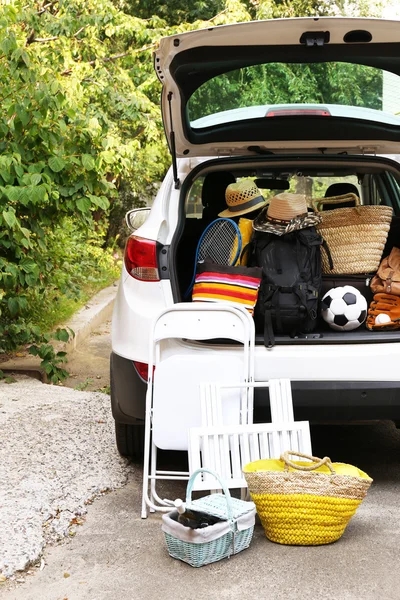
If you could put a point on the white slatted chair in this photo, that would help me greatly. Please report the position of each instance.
(227, 449)
(181, 364)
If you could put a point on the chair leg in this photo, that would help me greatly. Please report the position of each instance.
(153, 472)
(147, 434)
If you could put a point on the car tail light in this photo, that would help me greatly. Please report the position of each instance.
(289, 112)
(141, 259)
(142, 369)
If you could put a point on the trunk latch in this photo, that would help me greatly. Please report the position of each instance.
(315, 38)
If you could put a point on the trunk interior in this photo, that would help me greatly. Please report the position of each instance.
(376, 181)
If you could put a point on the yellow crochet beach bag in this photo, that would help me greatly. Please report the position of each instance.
(305, 504)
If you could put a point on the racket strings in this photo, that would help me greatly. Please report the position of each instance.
(218, 243)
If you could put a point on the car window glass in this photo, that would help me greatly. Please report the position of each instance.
(194, 205)
(337, 85)
(376, 192)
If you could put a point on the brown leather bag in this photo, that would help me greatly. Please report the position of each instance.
(387, 278)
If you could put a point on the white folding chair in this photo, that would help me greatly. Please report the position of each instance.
(181, 363)
(228, 448)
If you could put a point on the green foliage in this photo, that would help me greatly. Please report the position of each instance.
(273, 9)
(174, 12)
(81, 138)
(81, 387)
(74, 119)
(51, 361)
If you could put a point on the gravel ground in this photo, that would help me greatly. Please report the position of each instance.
(57, 454)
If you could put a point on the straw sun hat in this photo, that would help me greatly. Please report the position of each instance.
(242, 197)
(285, 213)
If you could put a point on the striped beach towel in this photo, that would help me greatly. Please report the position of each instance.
(220, 283)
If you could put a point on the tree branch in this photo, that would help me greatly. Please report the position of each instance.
(111, 58)
(216, 16)
(45, 7)
(79, 31)
(31, 40)
(30, 37)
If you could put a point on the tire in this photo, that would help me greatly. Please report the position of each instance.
(130, 440)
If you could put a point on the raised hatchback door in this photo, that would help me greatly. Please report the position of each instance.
(283, 85)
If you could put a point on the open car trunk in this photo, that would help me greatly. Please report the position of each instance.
(377, 180)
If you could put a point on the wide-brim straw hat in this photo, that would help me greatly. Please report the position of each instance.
(286, 212)
(242, 197)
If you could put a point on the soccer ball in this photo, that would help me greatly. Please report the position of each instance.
(344, 308)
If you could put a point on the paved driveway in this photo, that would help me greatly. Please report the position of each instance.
(115, 554)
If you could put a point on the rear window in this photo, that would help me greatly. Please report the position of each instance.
(328, 88)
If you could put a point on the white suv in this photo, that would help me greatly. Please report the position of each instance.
(296, 104)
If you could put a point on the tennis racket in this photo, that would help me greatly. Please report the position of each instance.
(221, 241)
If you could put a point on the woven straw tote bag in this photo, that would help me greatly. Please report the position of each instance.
(356, 236)
(305, 504)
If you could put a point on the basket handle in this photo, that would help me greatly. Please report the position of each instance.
(222, 485)
(318, 462)
(317, 203)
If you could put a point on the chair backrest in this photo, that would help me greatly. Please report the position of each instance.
(198, 321)
(227, 449)
(180, 367)
(280, 399)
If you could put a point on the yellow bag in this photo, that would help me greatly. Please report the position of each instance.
(305, 504)
(246, 229)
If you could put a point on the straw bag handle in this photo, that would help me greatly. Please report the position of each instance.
(318, 462)
(222, 485)
(317, 203)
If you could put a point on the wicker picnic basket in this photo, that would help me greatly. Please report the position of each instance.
(231, 535)
(305, 504)
(356, 236)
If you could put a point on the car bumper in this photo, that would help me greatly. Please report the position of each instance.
(337, 400)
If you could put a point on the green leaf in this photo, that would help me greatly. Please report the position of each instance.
(36, 178)
(62, 335)
(9, 217)
(83, 204)
(28, 265)
(38, 193)
(23, 115)
(19, 170)
(13, 306)
(100, 201)
(13, 193)
(48, 367)
(6, 175)
(25, 232)
(6, 46)
(88, 162)
(56, 164)
(25, 58)
(54, 86)
(108, 157)
(23, 196)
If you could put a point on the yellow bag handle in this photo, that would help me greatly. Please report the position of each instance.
(318, 462)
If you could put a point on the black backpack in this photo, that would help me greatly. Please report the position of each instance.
(291, 281)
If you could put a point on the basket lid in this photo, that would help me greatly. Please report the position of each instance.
(215, 505)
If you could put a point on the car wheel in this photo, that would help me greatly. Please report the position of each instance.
(130, 440)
